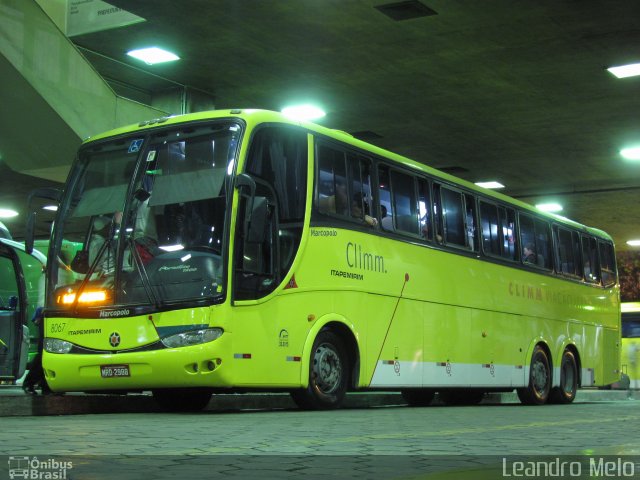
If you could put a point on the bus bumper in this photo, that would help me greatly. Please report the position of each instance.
(194, 366)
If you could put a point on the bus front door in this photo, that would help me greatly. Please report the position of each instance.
(14, 333)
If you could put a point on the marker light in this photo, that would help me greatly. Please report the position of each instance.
(491, 184)
(631, 153)
(549, 207)
(7, 213)
(625, 71)
(86, 297)
(153, 55)
(303, 112)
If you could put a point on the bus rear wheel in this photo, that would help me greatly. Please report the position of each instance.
(182, 399)
(537, 392)
(328, 375)
(418, 397)
(568, 388)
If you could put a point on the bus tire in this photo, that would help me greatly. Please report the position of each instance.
(182, 399)
(537, 392)
(418, 397)
(328, 374)
(566, 392)
(461, 396)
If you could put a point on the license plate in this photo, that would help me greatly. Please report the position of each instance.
(110, 371)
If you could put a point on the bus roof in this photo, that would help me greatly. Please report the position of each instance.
(256, 116)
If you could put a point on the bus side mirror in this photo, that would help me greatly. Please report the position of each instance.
(43, 193)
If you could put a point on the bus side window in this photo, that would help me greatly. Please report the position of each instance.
(489, 226)
(453, 215)
(384, 192)
(404, 203)
(437, 213)
(590, 262)
(607, 264)
(424, 208)
(332, 181)
(470, 221)
(507, 220)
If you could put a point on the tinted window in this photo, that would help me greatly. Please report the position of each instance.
(590, 260)
(535, 241)
(607, 264)
(568, 252)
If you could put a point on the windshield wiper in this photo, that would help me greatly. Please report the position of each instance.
(144, 277)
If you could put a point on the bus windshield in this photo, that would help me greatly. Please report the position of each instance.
(149, 216)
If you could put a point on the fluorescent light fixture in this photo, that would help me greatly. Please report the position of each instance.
(491, 184)
(303, 112)
(153, 55)
(171, 248)
(51, 208)
(633, 243)
(631, 153)
(624, 71)
(7, 213)
(549, 207)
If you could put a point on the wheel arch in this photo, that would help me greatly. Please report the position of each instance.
(574, 349)
(339, 325)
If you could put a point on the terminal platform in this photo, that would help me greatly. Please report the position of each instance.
(14, 402)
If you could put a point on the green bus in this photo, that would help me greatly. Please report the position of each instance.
(239, 250)
(22, 278)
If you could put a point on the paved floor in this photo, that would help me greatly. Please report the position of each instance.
(385, 442)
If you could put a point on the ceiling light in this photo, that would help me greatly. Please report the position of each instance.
(492, 184)
(625, 71)
(631, 153)
(303, 112)
(549, 207)
(153, 55)
(633, 243)
(51, 208)
(7, 213)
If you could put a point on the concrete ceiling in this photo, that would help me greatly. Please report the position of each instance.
(508, 90)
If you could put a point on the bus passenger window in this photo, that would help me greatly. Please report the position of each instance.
(424, 205)
(404, 203)
(384, 191)
(332, 181)
(489, 226)
(607, 264)
(453, 218)
(590, 260)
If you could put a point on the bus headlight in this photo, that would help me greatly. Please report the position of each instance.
(55, 345)
(192, 337)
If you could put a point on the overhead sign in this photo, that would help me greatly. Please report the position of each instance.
(88, 16)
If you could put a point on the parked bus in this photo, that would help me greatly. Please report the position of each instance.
(21, 292)
(239, 250)
(631, 342)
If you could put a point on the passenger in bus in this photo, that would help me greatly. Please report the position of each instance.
(360, 209)
(386, 222)
(336, 203)
(528, 254)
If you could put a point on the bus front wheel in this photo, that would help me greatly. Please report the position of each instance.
(182, 399)
(537, 392)
(327, 374)
(566, 392)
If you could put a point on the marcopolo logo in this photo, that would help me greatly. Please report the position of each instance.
(114, 313)
(33, 468)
